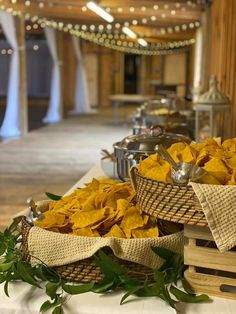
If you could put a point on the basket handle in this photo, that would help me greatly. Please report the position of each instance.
(133, 177)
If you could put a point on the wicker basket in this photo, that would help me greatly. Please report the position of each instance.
(167, 201)
(86, 270)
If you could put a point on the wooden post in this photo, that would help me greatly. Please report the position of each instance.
(223, 50)
(20, 33)
(205, 71)
(60, 45)
(142, 76)
(69, 72)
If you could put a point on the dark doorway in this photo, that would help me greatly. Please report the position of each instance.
(131, 73)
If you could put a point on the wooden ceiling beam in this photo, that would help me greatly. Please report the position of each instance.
(61, 9)
(60, 12)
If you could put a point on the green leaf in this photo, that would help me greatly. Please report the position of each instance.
(171, 275)
(46, 306)
(130, 283)
(105, 285)
(184, 297)
(58, 310)
(6, 285)
(3, 247)
(51, 289)
(159, 277)
(108, 266)
(25, 276)
(77, 289)
(53, 197)
(167, 297)
(187, 287)
(129, 292)
(150, 290)
(5, 266)
(38, 271)
(49, 273)
(2, 278)
(163, 252)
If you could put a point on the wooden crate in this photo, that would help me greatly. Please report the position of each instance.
(209, 271)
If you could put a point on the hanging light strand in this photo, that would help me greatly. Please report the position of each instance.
(118, 44)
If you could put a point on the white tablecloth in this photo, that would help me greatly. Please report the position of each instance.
(26, 300)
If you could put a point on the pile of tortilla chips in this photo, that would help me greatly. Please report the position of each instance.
(102, 208)
(218, 159)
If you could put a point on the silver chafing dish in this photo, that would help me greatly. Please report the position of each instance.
(133, 148)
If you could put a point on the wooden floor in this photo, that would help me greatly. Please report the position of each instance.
(52, 159)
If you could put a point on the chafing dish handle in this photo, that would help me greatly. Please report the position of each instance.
(133, 177)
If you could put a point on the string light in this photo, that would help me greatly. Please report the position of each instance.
(35, 47)
(142, 42)
(120, 43)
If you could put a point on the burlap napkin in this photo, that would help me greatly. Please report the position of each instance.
(57, 249)
(219, 206)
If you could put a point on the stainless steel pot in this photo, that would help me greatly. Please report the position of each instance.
(133, 148)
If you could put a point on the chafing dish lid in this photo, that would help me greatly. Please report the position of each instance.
(147, 142)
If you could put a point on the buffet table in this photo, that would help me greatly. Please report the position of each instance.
(119, 99)
(27, 300)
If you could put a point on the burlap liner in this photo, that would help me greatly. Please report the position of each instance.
(219, 206)
(56, 249)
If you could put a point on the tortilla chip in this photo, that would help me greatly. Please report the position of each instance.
(217, 168)
(52, 219)
(145, 233)
(82, 219)
(85, 232)
(115, 232)
(132, 219)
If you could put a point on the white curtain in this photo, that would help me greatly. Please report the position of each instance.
(11, 122)
(82, 104)
(54, 109)
(197, 79)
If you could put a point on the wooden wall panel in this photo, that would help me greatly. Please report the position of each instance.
(223, 50)
(106, 76)
(20, 33)
(69, 64)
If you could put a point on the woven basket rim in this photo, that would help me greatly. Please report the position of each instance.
(180, 186)
(168, 201)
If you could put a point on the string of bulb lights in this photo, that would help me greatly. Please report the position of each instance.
(102, 35)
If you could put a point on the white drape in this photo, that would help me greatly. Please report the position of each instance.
(11, 121)
(197, 78)
(54, 109)
(82, 104)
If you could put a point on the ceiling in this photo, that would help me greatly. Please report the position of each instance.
(147, 18)
(157, 21)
